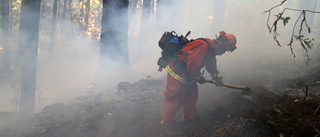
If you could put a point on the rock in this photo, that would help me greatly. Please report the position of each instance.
(124, 86)
(53, 107)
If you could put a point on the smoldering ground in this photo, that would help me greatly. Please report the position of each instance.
(258, 59)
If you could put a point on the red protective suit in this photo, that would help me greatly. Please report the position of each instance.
(196, 54)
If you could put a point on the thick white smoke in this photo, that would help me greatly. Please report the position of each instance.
(74, 67)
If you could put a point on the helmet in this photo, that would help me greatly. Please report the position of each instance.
(228, 40)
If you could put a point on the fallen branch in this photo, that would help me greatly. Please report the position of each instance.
(304, 99)
(242, 121)
(316, 111)
(229, 126)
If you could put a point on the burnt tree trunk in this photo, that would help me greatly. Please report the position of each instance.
(152, 7)
(114, 32)
(5, 37)
(29, 37)
(62, 21)
(133, 8)
(162, 11)
(145, 20)
(86, 16)
(158, 9)
(53, 27)
(218, 15)
(145, 29)
(43, 8)
(64, 9)
(71, 17)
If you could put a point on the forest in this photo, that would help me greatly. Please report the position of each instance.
(88, 68)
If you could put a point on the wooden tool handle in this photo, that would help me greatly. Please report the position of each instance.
(228, 85)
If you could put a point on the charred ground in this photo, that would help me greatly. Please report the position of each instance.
(290, 109)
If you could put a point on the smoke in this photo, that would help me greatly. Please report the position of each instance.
(75, 64)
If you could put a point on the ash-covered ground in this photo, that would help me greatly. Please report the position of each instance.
(135, 110)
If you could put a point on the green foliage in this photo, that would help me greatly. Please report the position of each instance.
(285, 20)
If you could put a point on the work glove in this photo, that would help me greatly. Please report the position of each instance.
(162, 62)
(201, 79)
(216, 77)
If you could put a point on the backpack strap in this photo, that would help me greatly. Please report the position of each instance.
(206, 42)
(208, 45)
(203, 40)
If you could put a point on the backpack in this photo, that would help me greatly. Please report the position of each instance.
(171, 44)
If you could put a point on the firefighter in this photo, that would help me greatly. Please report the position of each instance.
(184, 74)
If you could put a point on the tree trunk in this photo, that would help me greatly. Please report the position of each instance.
(64, 9)
(114, 32)
(133, 9)
(71, 17)
(62, 22)
(87, 13)
(145, 22)
(53, 27)
(146, 12)
(29, 37)
(161, 10)
(158, 9)
(218, 15)
(152, 8)
(5, 37)
(43, 8)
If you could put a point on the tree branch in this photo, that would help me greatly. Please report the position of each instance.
(305, 42)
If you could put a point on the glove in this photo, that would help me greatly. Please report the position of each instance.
(216, 77)
(219, 83)
(162, 62)
(201, 79)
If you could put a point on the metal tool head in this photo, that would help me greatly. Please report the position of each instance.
(246, 93)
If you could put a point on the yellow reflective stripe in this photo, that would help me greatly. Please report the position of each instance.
(177, 77)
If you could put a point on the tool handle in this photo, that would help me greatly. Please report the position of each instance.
(188, 33)
(235, 87)
(227, 85)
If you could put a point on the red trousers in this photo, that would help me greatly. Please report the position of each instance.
(178, 95)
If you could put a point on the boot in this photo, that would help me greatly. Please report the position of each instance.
(169, 130)
(186, 123)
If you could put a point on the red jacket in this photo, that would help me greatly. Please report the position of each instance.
(197, 54)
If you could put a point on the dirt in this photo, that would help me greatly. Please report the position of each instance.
(135, 111)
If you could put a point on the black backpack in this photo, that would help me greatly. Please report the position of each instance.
(171, 44)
